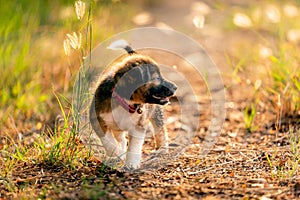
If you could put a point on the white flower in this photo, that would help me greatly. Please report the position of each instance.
(143, 18)
(75, 41)
(80, 9)
(273, 14)
(257, 84)
(199, 21)
(265, 52)
(242, 20)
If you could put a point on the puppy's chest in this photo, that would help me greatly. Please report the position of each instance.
(120, 119)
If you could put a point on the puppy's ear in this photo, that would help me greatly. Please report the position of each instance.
(128, 80)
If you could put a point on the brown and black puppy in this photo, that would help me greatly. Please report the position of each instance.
(129, 95)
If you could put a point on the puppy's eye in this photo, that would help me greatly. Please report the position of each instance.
(157, 78)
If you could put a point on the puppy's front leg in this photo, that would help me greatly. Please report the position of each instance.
(160, 132)
(121, 138)
(110, 145)
(134, 152)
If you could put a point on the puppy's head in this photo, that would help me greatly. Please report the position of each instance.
(140, 81)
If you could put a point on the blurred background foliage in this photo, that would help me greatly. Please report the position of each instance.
(33, 63)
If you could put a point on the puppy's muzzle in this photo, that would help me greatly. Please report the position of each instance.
(162, 93)
(169, 88)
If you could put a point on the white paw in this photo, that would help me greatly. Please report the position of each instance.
(133, 160)
(112, 148)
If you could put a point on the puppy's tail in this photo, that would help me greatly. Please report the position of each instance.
(121, 44)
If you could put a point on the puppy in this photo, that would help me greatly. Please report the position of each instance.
(129, 96)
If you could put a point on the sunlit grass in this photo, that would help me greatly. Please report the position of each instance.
(270, 54)
(32, 60)
(21, 93)
(60, 146)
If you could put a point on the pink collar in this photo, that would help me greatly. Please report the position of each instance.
(125, 105)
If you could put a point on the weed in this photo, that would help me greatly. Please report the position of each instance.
(284, 164)
(12, 153)
(294, 139)
(236, 68)
(62, 145)
(249, 114)
(286, 83)
(10, 187)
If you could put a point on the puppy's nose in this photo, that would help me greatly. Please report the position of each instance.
(173, 88)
